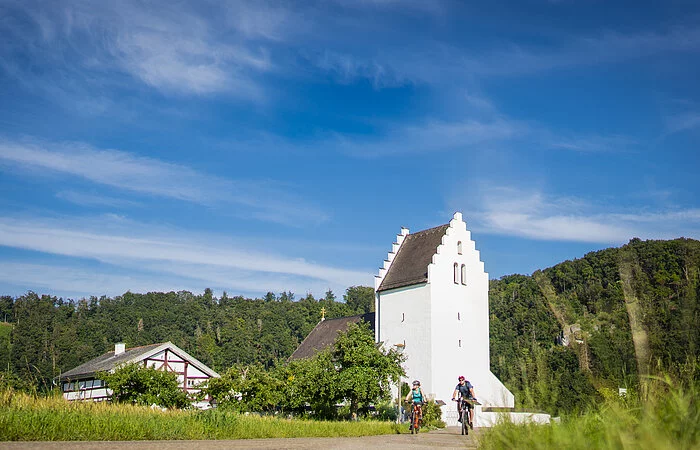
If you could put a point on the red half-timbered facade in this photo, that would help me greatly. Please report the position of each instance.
(82, 383)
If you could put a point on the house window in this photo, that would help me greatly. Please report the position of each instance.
(464, 274)
(456, 269)
(97, 383)
(191, 383)
(459, 247)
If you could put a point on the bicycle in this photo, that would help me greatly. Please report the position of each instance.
(463, 406)
(416, 418)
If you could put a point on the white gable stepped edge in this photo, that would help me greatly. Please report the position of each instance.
(431, 301)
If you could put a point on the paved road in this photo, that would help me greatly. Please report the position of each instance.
(447, 438)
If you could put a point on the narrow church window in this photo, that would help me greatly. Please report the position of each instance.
(460, 342)
(403, 317)
(458, 317)
(464, 274)
(456, 273)
(459, 247)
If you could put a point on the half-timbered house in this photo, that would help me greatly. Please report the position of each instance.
(82, 382)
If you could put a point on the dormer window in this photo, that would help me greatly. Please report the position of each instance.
(456, 270)
(459, 247)
(464, 274)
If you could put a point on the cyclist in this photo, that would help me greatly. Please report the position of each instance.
(416, 397)
(465, 390)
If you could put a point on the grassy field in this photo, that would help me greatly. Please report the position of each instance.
(669, 419)
(29, 418)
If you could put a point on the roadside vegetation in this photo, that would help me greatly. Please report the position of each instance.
(31, 418)
(667, 417)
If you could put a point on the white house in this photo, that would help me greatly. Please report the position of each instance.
(432, 302)
(81, 383)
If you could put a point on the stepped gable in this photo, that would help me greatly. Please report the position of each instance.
(410, 265)
(325, 334)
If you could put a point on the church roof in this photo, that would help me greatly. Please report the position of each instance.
(410, 266)
(325, 334)
(109, 361)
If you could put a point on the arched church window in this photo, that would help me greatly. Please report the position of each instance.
(456, 267)
(459, 247)
(464, 274)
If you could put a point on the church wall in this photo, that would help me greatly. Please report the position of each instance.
(404, 318)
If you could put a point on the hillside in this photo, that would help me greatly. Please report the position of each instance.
(559, 338)
(603, 321)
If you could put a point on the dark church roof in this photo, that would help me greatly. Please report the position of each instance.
(410, 266)
(325, 333)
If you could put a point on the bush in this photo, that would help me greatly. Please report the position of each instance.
(139, 385)
(432, 415)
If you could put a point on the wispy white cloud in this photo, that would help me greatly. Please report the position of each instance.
(512, 211)
(174, 47)
(150, 176)
(203, 260)
(482, 130)
(683, 122)
(91, 200)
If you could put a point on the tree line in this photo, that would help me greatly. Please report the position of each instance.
(48, 335)
(560, 338)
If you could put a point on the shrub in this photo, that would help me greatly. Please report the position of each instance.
(139, 385)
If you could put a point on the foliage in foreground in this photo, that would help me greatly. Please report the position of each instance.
(669, 418)
(31, 418)
(133, 383)
(354, 371)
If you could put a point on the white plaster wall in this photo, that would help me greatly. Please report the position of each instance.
(404, 317)
(489, 419)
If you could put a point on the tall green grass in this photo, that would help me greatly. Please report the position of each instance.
(666, 417)
(31, 418)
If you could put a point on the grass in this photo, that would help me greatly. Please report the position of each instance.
(29, 418)
(667, 419)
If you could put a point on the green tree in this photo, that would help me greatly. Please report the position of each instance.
(133, 383)
(364, 370)
(246, 388)
(360, 299)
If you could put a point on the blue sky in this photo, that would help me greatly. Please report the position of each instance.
(269, 146)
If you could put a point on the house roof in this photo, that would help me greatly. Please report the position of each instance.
(109, 361)
(325, 334)
(410, 266)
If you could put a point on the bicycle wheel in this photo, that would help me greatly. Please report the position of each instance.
(465, 421)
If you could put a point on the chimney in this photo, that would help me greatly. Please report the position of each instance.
(119, 348)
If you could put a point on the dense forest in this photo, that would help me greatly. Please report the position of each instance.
(560, 339)
(569, 334)
(49, 335)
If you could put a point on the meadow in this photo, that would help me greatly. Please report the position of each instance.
(667, 417)
(35, 418)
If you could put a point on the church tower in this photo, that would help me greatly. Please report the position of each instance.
(431, 300)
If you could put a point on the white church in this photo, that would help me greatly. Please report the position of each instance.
(431, 303)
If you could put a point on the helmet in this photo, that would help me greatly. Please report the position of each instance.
(416, 383)
(461, 378)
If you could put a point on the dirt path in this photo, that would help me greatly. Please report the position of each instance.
(640, 339)
(447, 438)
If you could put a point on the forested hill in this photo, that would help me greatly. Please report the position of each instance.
(565, 334)
(559, 338)
(50, 335)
